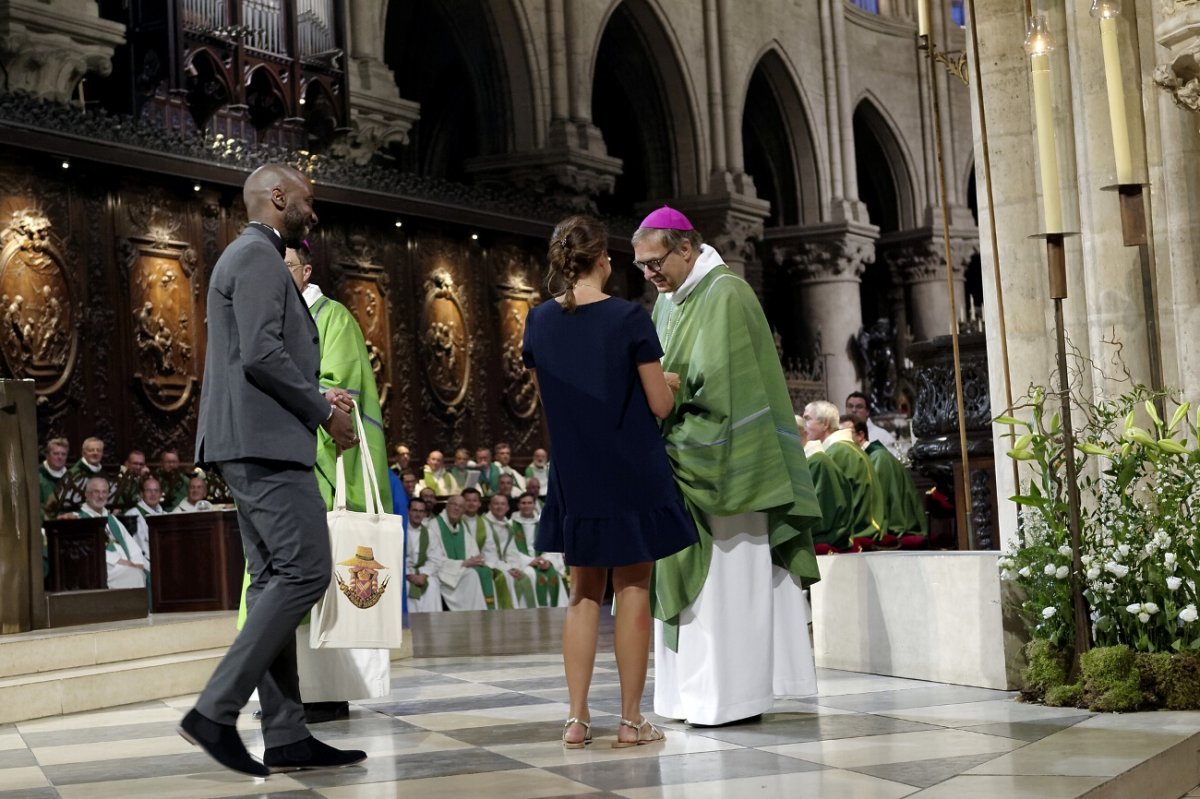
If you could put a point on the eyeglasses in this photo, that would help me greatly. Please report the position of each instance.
(654, 264)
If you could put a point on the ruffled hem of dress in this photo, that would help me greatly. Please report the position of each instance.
(621, 539)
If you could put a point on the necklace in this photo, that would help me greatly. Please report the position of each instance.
(588, 285)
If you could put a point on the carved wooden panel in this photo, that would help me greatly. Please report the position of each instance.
(515, 296)
(38, 336)
(364, 297)
(444, 340)
(163, 311)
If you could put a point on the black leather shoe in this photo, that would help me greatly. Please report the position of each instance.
(310, 753)
(318, 712)
(222, 743)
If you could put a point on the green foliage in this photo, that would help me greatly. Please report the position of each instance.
(1172, 679)
(1111, 680)
(1069, 695)
(1140, 525)
(1046, 669)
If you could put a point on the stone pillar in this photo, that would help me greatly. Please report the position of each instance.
(1173, 172)
(379, 116)
(917, 258)
(825, 264)
(46, 48)
(574, 165)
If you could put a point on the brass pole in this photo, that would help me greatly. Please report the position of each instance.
(968, 503)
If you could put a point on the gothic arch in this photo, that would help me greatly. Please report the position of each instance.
(778, 142)
(208, 85)
(638, 65)
(467, 63)
(265, 97)
(884, 168)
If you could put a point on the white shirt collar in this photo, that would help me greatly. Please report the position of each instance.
(813, 447)
(312, 293)
(54, 472)
(708, 260)
(844, 434)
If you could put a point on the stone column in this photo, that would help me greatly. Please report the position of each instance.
(47, 48)
(825, 264)
(918, 259)
(379, 116)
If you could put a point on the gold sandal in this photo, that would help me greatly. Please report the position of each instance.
(647, 734)
(587, 733)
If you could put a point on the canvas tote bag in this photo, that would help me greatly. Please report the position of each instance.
(362, 607)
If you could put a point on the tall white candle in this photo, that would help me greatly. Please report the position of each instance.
(1047, 155)
(1116, 99)
(922, 17)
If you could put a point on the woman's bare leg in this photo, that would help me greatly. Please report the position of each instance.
(631, 592)
(579, 641)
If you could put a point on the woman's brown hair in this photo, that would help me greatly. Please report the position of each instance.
(575, 245)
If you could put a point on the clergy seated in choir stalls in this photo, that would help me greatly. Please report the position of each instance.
(408, 479)
(403, 455)
(504, 462)
(548, 569)
(510, 565)
(436, 476)
(856, 406)
(197, 496)
(833, 532)
(465, 580)
(432, 503)
(489, 471)
(68, 493)
(127, 489)
(423, 560)
(903, 508)
(462, 466)
(173, 479)
(128, 564)
(864, 500)
(507, 486)
(536, 487)
(149, 504)
(52, 469)
(538, 468)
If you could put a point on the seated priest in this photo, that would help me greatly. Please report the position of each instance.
(832, 532)
(504, 462)
(149, 504)
(510, 565)
(549, 571)
(52, 469)
(437, 477)
(128, 565)
(466, 581)
(535, 487)
(903, 508)
(538, 468)
(173, 479)
(197, 496)
(864, 499)
(423, 559)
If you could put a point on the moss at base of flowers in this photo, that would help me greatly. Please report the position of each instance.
(1065, 695)
(1172, 679)
(1047, 669)
(1111, 680)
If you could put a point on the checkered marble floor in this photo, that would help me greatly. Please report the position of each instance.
(457, 727)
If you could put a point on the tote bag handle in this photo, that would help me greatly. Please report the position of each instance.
(370, 480)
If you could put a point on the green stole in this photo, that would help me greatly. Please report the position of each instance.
(731, 437)
(115, 539)
(455, 544)
(504, 599)
(417, 591)
(548, 580)
(522, 585)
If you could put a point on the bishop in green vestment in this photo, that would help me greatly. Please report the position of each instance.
(732, 619)
(904, 512)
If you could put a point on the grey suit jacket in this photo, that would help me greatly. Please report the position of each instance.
(260, 397)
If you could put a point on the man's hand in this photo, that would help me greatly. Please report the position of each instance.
(672, 381)
(517, 573)
(340, 398)
(474, 560)
(418, 579)
(340, 428)
(541, 563)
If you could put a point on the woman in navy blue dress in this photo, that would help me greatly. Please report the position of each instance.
(612, 501)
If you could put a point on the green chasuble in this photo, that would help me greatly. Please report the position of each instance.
(866, 500)
(504, 599)
(731, 437)
(46, 483)
(346, 364)
(833, 492)
(904, 512)
(455, 543)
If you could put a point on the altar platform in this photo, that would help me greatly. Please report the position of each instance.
(469, 724)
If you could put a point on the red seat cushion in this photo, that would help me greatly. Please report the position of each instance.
(864, 543)
(913, 542)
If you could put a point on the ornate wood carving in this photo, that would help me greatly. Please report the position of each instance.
(515, 296)
(38, 336)
(363, 295)
(162, 305)
(446, 346)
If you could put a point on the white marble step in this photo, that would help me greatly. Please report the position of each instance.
(71, 690)
(113, 642)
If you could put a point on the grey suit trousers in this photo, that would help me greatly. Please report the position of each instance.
(282, 520)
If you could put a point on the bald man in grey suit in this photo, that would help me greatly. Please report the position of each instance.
(260, 407)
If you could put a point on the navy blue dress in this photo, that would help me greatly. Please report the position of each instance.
(612, 500)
